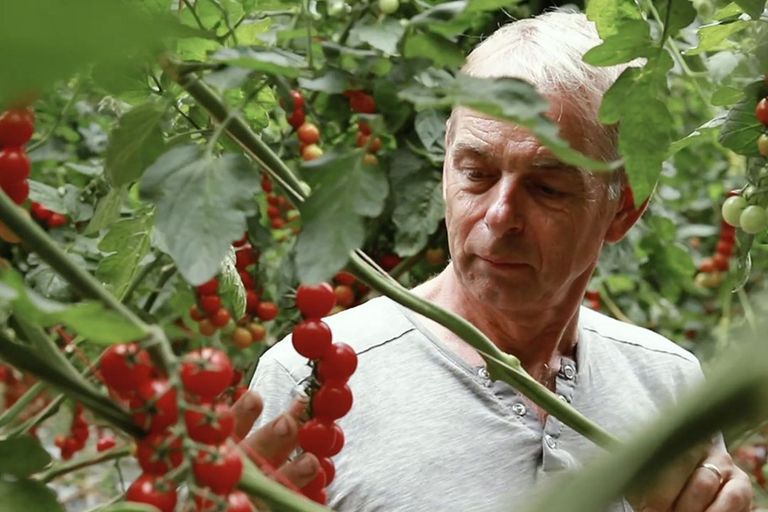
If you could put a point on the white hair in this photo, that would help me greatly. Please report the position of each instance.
(547, 52)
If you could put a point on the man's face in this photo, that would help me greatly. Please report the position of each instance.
(524, 229)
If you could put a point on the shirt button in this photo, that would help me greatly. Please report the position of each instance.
(519, 409)
(568, 371)
(563, 398)
(550, 441)
(483, 373)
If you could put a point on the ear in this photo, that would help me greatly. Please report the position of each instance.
(627, 214)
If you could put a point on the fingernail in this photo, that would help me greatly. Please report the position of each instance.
(282, 427)
(307, 465)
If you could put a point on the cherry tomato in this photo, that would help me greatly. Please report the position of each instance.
(721, 261)
(311, 338)
(732, 208)
(315, 301)
(210, 427)
(344, 277)
(245, 257)
(298, 99)
(362, 103)
(338, 440)
(220, 470)
(221, 318)
(308, 133)
(331, 401)
(277, 223)
(206, 328)
(296, 119)
(753, 219)
(14, 165)
(16, 127)
(257, 331)
(725, 247)
(266, 183)
(196, 314)
(18, 191)
(206, 373)
(105, 443)
(209, 287)
(125, 367)
(242, 337)
(158, 406)
(252, 301)
(267, 311)
(246, 279)
(314, 489)
(210, 304)
(370, 159)
(364, 128)
(311, 152)
(390, 261)
(364, 141)
(761, 111)
(40, 212)
(345, 295)
(317, 437)
(762, 144)
(237, 501)
(57, 220)
(707, 266)
(159, 453)
(146, 489)
(338, 363)
(329, 468)
(389, 6)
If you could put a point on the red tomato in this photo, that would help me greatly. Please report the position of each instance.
(159, 453)
(14, 165)
(362, 103)
(725, 247)
(308, 133)
(220, 318)
(311, 338)
(332, 401)
(206, 373)
(16, 127)
(125, 367)
(707, 266)
(315, 301)
(761, 111)
(40, 212)
(345, 295)
(237, 501)
(211, 427)
(105, 443)
(296, 119)
(159, 407)
(220, 470)
(18, 191)
(252, 301)
(344, 277)
(338, 441)
(145, 489)
(57, 220)
(338, 363)
(364, 128)
(267, 311)
(210, 304)
(317, 437)
(209, 287)
(329, 468)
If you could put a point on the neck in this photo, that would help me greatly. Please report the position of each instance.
(538, 338)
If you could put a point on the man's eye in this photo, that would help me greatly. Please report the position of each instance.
(547, 190)
(476, 174)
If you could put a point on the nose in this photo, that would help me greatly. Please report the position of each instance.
(505, 213)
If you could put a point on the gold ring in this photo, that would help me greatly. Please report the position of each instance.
(714, 469)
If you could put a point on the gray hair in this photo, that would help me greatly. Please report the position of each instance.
(547, 52)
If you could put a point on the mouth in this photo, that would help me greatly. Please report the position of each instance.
(502, 263)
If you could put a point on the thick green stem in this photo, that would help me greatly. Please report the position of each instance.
(501, 366)
(69, 467)
(256, 483)
(38, 418)
(27, 398)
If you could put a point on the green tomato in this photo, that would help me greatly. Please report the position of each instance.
(389, 6)
(762, 144)
(732, 208)
(754, 219)
(336, 8)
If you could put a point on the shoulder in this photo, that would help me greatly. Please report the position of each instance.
(632, 339)
(365, 327)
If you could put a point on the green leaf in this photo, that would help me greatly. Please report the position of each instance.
(231, 289)
(715, 36)
(135, 143)
(383, 35)
(504, 98)
(332, 82)
(741, 128)
(89, 319)
(442, 52)
(107, 210)
(702, 133)
(28, 495)
(430, 127)
(633, 41)
(344, 192)
(202, 204)
(126, 245)
(752, 7)
(273, 61)
(43, 41)
(609, 15)
(22, 456)
(681, 15)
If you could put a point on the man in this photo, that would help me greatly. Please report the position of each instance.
(429, 431)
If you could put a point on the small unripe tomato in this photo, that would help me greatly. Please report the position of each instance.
(311, 152)
(308, 133)
(389, 6)
(762, 144)
(732, 209)
(753, 219)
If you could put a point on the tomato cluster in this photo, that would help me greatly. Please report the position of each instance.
(14, 384)
(16, 128)
(712, 270)
(47, 217)
(78, 435)
(330, 396)
(279, 209)
(363, 103)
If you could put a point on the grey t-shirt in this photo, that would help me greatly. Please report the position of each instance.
(428, 432)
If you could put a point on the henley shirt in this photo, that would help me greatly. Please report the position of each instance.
(428, 432)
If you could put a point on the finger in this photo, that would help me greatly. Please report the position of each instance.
(670, 482)
(276, 440)
(700, 490)
(302, 470)
(247, 409)
(735, 496)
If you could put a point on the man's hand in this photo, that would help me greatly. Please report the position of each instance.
(694, 485)
(275, 441)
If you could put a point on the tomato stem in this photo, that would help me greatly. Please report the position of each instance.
(256, 483)
(68, 467)
(27, 398)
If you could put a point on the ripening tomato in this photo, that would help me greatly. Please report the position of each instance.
(345, 295)
(311, 152)
(761, 111)
(762, 144)
(242, 337)
(308, 133)
(258, 331)
(147, 489)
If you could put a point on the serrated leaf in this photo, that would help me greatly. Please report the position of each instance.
(680, 15)
(90, 319)
(702, 132)
(231, 289)
(344, 192)
(383, 35)
(126, 245)
(418, 211)
(741, 128)
(609, 15)
(22, 456)
(135, 143)
(201, 206)
(332, 82)
(430, 127)
(28, 495)
(631, 42)
(504, 98)
(442, 52)
(107, 210)
(274, 61)
(752, 7)
(712, 37)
